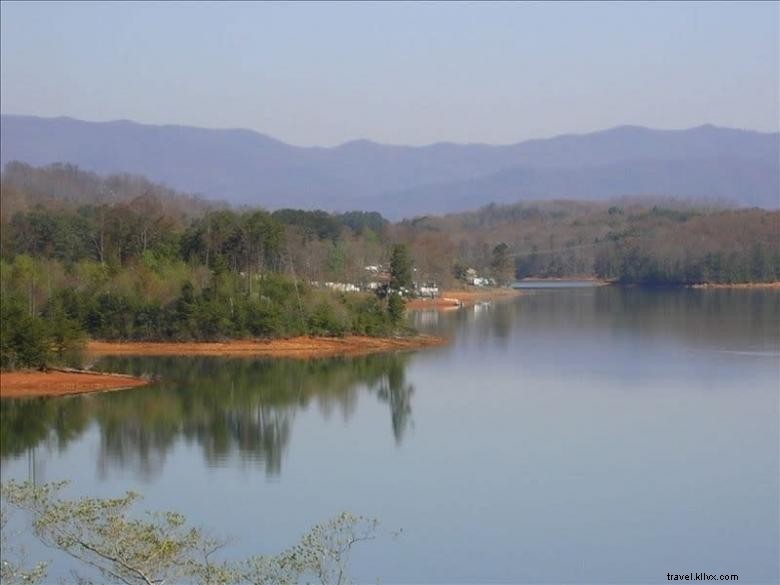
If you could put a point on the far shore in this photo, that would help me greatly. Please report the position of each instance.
(28, 383)
(295, 347)
(775, 284)
(593, 279)
(454, 299)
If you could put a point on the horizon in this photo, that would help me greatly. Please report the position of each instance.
(369, 141)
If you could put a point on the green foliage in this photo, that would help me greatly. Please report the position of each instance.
(120, 258)
(314, 224)
(323, 320)
(134, 305)
(322, 553)
(336, 260)
(26, 341)
(66, 338)
(396, 308)
(112, 259)
(400, 267)
(501, 265)
(161, 548)
(632, 264)
(100, 533)
(360, 221)
(369, 316)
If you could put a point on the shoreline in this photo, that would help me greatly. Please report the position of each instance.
(454, 299)
(34, 383)
(744, 285)
(294, 347)
(593, 279)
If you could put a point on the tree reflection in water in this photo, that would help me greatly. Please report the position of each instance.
(230, 408)
(394, 390)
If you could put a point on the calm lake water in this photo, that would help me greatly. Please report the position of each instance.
(588, 435)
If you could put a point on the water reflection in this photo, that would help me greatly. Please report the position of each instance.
(710, 319)
(397, 393)
(581, 435)
(230, 408)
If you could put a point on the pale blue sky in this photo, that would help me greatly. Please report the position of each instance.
(405, 73)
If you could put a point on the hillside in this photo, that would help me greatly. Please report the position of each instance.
(246, 167)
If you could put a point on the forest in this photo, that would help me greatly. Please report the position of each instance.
(120, 257)
(649, 241)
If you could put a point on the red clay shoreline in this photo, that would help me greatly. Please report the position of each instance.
(295, 347)
(30, 383)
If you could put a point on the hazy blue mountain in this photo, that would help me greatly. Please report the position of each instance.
(243, 166)
(237, 165)
(730, 180)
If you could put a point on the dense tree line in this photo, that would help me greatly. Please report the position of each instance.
(122, 258)
(629, 241)
(141, 268)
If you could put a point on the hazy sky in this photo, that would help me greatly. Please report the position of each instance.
(406, 73)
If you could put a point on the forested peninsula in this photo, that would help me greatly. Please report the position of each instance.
(119, 258)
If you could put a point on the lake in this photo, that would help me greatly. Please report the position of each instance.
(571, 435)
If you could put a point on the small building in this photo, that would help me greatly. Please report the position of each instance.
(429, 289)
(342, 286)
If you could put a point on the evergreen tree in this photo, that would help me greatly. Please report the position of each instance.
(501, 266)
(400, 267)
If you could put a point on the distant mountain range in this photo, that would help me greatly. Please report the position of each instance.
(246, 167)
